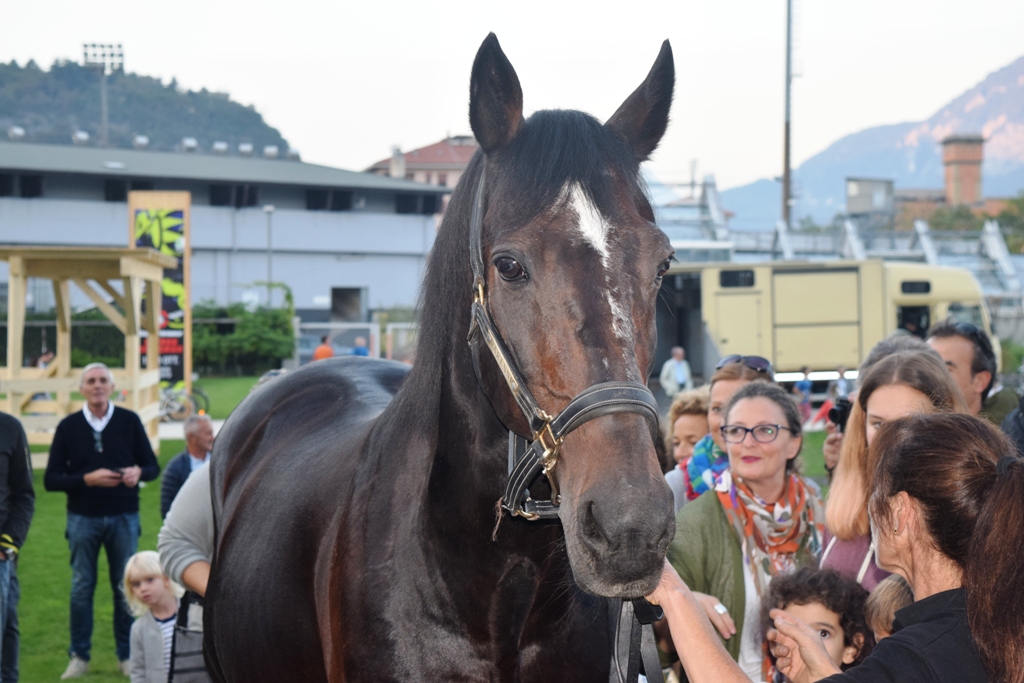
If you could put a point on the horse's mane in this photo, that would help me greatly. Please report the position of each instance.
(553, 148)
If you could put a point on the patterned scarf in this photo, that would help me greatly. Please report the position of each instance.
(704, 468)
(773, 534)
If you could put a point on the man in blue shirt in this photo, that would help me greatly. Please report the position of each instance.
(198, 444)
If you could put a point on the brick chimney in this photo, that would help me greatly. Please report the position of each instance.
(962, 155)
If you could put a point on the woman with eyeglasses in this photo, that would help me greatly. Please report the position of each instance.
(703, 469)
(898, 385)
(760, 519)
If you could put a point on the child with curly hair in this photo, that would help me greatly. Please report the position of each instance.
(830, 603)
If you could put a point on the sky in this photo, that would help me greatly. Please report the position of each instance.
(346, 81)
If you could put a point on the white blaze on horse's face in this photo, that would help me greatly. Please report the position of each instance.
(595, 230)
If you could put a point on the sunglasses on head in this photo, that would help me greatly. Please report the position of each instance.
(755, 363)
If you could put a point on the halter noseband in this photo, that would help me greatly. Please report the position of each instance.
(527, 459)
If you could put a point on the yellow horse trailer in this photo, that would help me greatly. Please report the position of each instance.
(821, 315)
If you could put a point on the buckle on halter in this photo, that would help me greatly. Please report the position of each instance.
(478, 292)
(552, 445)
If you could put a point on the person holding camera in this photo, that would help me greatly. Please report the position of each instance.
(98, 457)
(898, 385)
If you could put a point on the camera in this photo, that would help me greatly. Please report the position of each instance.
(840, 413)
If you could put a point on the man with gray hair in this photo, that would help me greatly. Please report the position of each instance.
(98, 457)
(198, 444)
(675, 373)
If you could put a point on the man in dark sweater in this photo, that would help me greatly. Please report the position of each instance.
(98, 457)
(17, 503)
(198, 444)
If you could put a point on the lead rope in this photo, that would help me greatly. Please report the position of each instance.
(635, 644)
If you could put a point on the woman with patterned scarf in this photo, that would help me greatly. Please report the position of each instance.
(761, 519)
(705, 467)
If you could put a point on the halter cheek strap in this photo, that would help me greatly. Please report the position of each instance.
(528, 457)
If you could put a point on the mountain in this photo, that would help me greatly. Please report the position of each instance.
(52, 105)
(908, 153)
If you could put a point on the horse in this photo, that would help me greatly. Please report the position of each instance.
(364, 526)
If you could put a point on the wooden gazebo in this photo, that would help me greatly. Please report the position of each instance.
(140, 272)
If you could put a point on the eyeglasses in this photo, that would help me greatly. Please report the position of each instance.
(762, 433)
(97, 438)
(755, 363)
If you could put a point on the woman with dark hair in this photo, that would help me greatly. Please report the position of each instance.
(948, 515)
(898, 385)
(760, 519)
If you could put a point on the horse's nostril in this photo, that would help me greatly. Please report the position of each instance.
(591, 525)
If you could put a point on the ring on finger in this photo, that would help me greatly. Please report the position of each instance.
(721, 609)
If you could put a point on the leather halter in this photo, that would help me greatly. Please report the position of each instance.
(527, 458)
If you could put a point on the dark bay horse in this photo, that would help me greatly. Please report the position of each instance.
(358, 536)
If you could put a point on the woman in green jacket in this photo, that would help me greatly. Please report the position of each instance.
(761, 519)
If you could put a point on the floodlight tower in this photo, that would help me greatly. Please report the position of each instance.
(107, 57)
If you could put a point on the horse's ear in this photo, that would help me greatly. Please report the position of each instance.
(495, 98)
(643, 117)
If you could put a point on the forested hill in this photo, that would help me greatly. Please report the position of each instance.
(51, 105)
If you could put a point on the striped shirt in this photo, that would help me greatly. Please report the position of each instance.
(167, 627)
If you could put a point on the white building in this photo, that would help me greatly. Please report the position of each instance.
(345, 242)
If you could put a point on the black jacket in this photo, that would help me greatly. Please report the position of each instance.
(17, 495)
(931, 643)
(1013, 427)
(175, 474)
(73, 454)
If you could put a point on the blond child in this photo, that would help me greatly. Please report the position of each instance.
(153, 599)
(892, 594)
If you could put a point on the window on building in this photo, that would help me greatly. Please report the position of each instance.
(6, 184)
(316, 200)
(252, 195)
(430, 204)
(442, 179)
(410, 176)
(406, 203)
(142, 185)
(115, 190)
(31, 186)
(341, 200)
(221, 195)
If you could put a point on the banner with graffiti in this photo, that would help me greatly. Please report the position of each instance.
(163, 225)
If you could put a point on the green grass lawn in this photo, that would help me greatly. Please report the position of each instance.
(225, 393)
(814, 461)
(45, 576)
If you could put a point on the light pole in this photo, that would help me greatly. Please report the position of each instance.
(786, 179)
(106, 57)
(269, 210)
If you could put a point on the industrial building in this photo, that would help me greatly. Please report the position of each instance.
(346, 243)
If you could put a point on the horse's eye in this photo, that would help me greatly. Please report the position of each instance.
(509, 269)
(663, 268)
